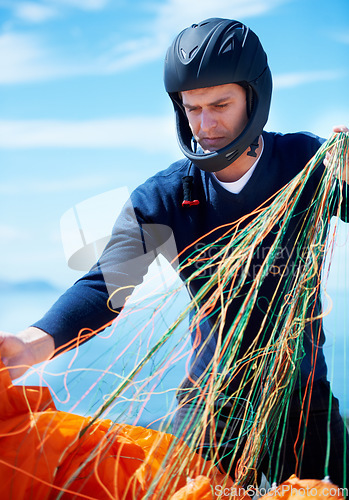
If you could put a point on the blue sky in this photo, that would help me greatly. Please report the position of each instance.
(83, 108)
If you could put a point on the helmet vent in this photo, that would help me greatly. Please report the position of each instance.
(228, 48)
(228, 45)
(192, 53)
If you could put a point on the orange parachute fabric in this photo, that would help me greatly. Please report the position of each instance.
(44, 456)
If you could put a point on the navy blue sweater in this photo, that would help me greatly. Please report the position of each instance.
(154, 216)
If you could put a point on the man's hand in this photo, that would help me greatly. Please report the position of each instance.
(345, 176)
(340, 128)
(19, 352)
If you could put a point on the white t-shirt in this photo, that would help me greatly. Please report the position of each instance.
(236, 186)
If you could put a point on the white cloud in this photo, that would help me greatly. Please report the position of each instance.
(135, 132)
(45, 186)
(177, 14)
(23, 58)
(319, 121)
(10, 234)
(130, 54)
(323, 121)
(34, 12)
(340, 36)
(82, 4)
(288, 80)
(169, 18)
(27, 57)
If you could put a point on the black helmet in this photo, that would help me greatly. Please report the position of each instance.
(217, 52)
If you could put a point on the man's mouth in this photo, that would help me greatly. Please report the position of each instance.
(211, 142)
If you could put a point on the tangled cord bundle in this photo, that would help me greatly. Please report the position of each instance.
(265, 371)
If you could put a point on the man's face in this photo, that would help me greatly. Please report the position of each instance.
(216, 115)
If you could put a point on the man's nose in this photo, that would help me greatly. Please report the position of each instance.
(207, 120)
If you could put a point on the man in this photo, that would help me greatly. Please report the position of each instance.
(217, 75)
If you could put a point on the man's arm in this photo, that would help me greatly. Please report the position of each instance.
(94, 301)
(19, 352)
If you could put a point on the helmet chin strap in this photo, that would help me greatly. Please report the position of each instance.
(253, 147)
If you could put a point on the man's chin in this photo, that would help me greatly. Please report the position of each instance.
(214, 146)
(209, 149)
